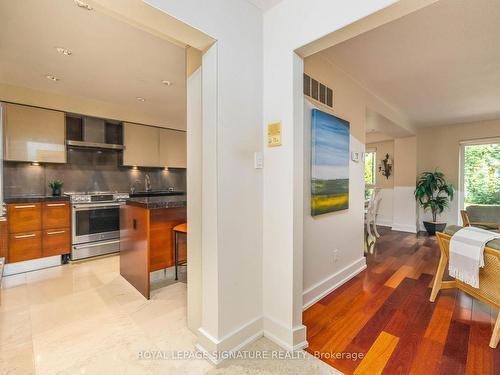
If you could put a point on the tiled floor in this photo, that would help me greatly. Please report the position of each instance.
(84, 318)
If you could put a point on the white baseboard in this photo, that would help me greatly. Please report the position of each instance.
(384, 222)
(234, 341)
(332, 282)
(289, 339)
(31, 265)
(405, 228)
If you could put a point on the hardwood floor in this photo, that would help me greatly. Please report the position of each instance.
(385, 313)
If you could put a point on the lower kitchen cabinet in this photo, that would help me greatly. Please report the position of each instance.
(38, 230)
(4, 240)
(24, 217)
(55, 214)
(56, 242)
(25, 246)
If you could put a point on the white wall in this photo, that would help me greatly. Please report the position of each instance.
(321, 233)
(438, 147)
(232, 303)
(258, 245)
(386, 185)
(287, 26)
(194, 173)
(405, 174)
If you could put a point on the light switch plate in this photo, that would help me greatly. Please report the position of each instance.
(355, 156)
(258, 160)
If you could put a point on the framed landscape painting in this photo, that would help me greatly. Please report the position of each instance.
(330, 137)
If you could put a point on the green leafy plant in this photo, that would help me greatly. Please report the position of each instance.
(56, 184)
(433, 192)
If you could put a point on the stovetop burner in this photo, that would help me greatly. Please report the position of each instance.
(97, 196)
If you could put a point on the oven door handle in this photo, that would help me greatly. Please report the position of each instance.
(84, 246)
(88, 207)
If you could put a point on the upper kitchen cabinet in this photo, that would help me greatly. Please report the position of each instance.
(34, 134)
(172, 148)
(142, 146)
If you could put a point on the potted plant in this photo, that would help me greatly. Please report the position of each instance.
(56, 186)
(433, 193)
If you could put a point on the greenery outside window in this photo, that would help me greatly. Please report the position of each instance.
(370, 164)
(481, 173)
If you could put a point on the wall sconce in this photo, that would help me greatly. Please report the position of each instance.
(386, 166)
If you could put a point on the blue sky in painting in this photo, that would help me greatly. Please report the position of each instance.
(330, 146)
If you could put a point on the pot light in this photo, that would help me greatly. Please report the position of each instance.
(52, 78)
(83, 5)
(35, 164)
(167, 83)
(64, 51)
(140, 99)
(165, 169)
(134, 168)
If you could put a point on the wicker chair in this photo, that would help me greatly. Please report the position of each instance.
(489, 277)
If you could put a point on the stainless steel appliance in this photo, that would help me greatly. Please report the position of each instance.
(94, 135)
(95, 224)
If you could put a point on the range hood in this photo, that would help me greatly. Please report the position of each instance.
(94, 135)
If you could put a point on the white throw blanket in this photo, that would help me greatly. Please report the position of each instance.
(467, 253)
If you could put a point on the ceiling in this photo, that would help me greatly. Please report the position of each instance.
(381, 128)
(438, 65)
(111, 61)
(265, 4)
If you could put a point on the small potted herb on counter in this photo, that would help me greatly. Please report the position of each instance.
(56, 186)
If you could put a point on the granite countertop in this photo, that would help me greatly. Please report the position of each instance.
(35, 198)
(152, 203)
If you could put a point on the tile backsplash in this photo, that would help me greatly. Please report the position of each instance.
(87, 170)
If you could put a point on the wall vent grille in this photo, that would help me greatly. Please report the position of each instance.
(318, 91)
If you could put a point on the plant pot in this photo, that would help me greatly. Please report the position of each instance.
(432, 227)
(56, 192)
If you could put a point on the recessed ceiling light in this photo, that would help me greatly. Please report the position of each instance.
(83, 5)
(64, 51)
(167, 83)
(52, 78)
(140, 99)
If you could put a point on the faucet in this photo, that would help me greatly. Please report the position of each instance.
(147, 183)
(133, 188)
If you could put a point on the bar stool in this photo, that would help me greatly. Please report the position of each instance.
(181, 228)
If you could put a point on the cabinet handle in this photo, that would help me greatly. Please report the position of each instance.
(58, 232)
(27, 206)
(56, 204)
(25, 236)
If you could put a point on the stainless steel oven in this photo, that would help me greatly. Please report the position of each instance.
(95, 223)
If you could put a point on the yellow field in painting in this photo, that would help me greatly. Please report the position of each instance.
(328, 203)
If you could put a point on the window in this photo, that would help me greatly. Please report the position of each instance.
(370, 163)
(481, 172)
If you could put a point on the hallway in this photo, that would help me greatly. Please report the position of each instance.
(385, 313)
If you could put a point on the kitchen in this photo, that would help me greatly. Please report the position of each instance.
(75, 157)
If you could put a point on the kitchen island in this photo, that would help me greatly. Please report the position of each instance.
(146, 237)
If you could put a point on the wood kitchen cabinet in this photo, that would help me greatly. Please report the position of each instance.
(25, 246)
(4, 240)
(24, 217)
(56, 241)
(142, 146)
(55, 215)
(34, 134)
(37, 230)
(173, 148)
